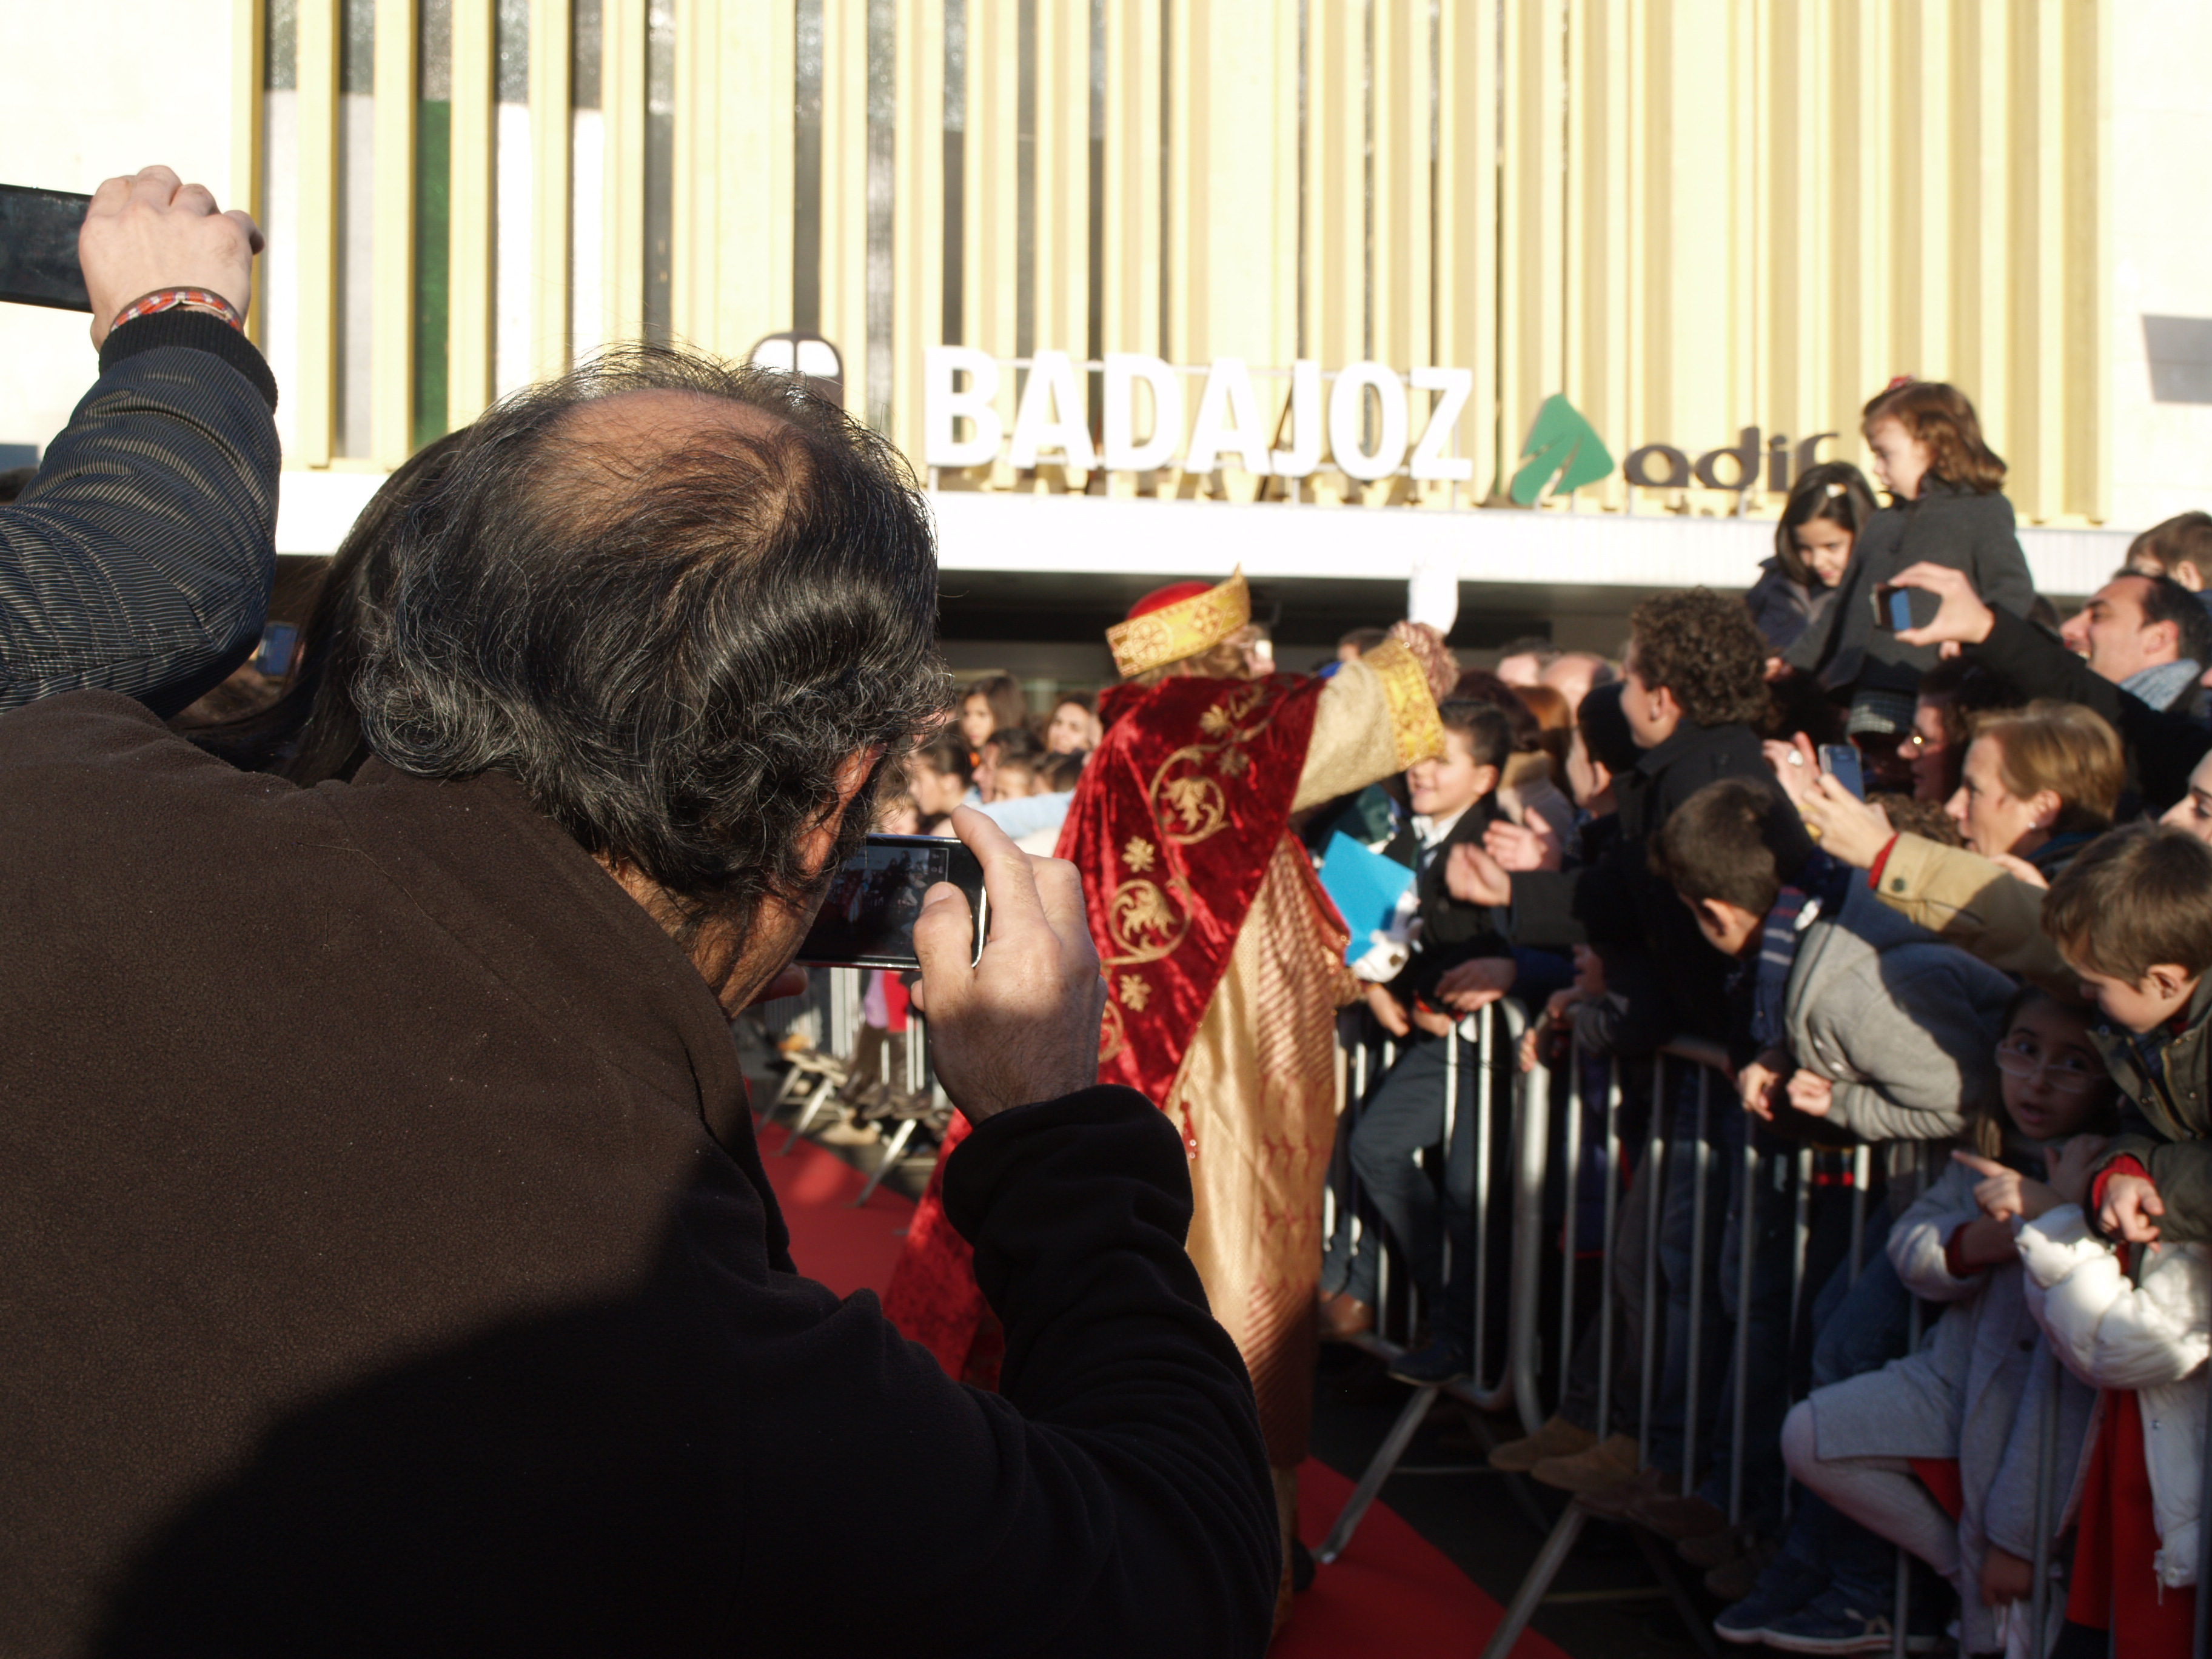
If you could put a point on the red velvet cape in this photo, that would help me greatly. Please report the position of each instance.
(1174, 821)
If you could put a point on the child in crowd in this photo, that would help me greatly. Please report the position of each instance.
(1016, 746)
(938, 778)
(1074, 727)
(2132, 916)
(1939, 1452)
(1453, 800)
(1829, 506)
(1841, 1012)
(993, 703)
(2142, 1338)
(1855, 1016)
(1947, 508)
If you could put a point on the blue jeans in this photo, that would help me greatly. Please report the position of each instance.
(1680, 1265)
(1861, 1327)
(1765, 1383)
(1404, 1116)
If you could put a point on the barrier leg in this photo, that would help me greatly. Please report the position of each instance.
(891, 1162)
(1538, 1583)
(1377, 1471)
(813, 1105)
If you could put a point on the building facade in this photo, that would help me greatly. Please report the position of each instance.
(1143, 286)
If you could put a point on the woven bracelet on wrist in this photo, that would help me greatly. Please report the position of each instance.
(168, 298)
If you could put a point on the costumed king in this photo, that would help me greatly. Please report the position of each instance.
(1225, 963)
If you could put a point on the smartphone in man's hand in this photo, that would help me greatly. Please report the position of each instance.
(37, 248)
(866, 918)
(1841, 761)
(1896, 609)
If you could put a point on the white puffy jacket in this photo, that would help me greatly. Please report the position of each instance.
(2153, 1335)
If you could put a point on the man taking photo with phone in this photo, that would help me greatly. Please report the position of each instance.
(390, 1264)
(139, 559)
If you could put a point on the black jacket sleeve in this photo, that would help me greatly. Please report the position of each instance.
(1113, 1498)
(2163, 748)
(140, 557)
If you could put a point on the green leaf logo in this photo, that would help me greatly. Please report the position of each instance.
(1563, 443)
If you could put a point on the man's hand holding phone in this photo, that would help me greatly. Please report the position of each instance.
(1020, 1023)
(153, 231)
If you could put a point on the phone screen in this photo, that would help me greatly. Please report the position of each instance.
(1841, 761)
(1901, 610)
(38, 247)
(866, 918)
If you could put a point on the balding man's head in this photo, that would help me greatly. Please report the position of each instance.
(671, 598)
(1574, 674)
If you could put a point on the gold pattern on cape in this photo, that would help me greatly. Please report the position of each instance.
(1149, 920)
(1134, 991)
(1415, 731)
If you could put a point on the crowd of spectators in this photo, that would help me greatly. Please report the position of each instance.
(1923, 867)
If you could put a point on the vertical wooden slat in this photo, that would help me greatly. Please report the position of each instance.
(249, 76)
(990, 259)
(622, 104)
(392, 243)
(1531, 216)
(918, 211)
(550, 141)
(1132, 176)
(469, 292)
(1601, 270)
(1402, 186)
(1926, 215)
(1750, 253)
(317, 253)
(1466, 219)
(1063, 175)
(844, 274)
(2088, 149)
(1336, 183)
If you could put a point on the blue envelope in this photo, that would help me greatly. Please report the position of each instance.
(1366, 888)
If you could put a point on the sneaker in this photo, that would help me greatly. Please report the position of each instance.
(1830, 1624)
(1430, 1367)
(1557, 1438)
(1785, 1588)
(1605, 1464)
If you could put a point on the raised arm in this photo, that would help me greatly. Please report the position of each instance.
(140, 558)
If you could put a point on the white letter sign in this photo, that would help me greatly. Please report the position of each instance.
(1052, 415)
(1304, 455)
(1228, 391)
(1123, 453)
(1430, 461)
(943, 408)
(1347, 409)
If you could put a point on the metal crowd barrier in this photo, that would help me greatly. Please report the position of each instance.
(1714, 1092)
(1488, 1042)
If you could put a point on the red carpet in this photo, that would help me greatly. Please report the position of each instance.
(1392, 1593)
(845, 1248)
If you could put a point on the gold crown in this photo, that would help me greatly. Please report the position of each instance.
(1181, 629)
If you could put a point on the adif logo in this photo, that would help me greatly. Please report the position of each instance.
(1566, 451)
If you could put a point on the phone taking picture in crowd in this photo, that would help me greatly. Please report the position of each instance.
(38, 247)
(866, 918)
(1896, 609)
(1841, 761)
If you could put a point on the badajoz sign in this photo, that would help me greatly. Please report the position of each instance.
(962, 427)
(1366, 414)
